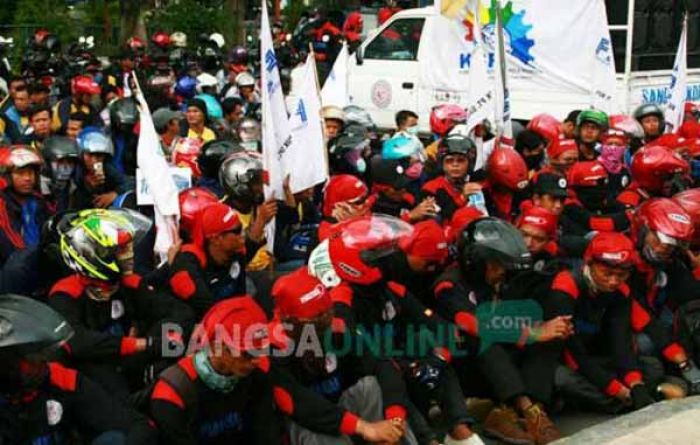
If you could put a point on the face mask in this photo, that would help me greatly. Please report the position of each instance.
(415, 170)
(413, 131)
(611, 157)
(61, 172)
(533, 162)
(211, 378)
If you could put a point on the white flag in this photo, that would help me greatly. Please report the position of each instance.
(306, 160)
(504, 125)
(276, 134)
(481, 100)
(679, 83)
(335, 89)
(604, 82)
(161, 186)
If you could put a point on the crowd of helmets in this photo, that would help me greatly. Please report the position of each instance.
(589, 226)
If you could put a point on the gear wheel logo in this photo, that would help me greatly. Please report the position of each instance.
(518, 44)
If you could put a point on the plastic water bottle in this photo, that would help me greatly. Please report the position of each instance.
(477, 200)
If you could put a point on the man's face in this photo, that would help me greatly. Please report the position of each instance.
(589, 132)
(41, 123)
(246, 92)
(495, 274)
(238, 364)
(664, 252)
(127, 64)
(608, 278)
(236, 115)
(173, 126)
(651, 126)
(229, 244)
(535, 238)
(568, 129)
(333, 128)
(73, 128)
(549, 202)
(194, 116)
(90, 159)
(16, 85)
(565, 160)
(410, 122)
(455, 166)
(22, 101)
(24, 180)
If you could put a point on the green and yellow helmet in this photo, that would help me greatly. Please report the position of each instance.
(91, 239)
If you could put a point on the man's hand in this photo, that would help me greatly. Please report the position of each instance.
(267, 211)
(289, 199)
(624, 395)
(470, 188)
(173, 251)
(104, 200)
(558, 328)
(382, 431)
(426, 209)
(694, 258)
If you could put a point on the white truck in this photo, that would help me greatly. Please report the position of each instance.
(385, 79)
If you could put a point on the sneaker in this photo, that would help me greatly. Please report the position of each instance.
(474, 439)
(540, 426)
(503, 424)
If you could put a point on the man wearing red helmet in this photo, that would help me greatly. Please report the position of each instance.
(538, 226)
(212, 267)
(588, 209)
(323, 393)
(83, 89)
(656, 172)
(221, 393)
(506, 181)
(23, 210)
(562, 154)
(598, 298)
(344, 197)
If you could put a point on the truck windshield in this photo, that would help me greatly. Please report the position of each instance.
(399, 41)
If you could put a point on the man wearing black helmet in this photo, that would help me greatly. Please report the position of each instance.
(522, 377)
(651, 118)
(61, 156)
(42, 401)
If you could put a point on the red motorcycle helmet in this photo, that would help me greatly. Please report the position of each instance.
(690, 201)
(546, 126)
(342, 188)
(192, 201)
(136, 46)
(83, 84)
(623, 127)
(587, 174)
(354, 248)
(506, 167)
(444, 117)
(653, 165)
(161, 39)
(611, 248)
(186, 152)
(667, 219)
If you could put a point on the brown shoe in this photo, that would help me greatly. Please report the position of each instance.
(539, 425)
(503, 424)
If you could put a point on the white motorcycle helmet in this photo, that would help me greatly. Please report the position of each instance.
(206, 80)
(218, 39)
(178, 39)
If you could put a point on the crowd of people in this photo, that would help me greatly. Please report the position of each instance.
(366, 319)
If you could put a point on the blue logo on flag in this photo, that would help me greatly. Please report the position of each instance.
(602, 52)
(270, 60)
(301, 112)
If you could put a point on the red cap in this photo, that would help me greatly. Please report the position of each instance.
(83, 84)
(301, 296)
(192, 202)
(215, 219)
(461, 219)
(540, 218)
(561, 146)
(342, 188)
(427, 241)
(241, 324)
(612, 248)
(587, 174)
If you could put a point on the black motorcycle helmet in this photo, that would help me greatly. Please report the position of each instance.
(123, 114)
(30, 334)
(492, 239)
(59, 147)
(212, 155)
(346, 152)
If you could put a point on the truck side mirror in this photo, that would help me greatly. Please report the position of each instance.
(358, 55)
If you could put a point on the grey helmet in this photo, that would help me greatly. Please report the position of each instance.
(93, 140)
(238, 172)
(649, 110)
(59, 147)
(492, 239)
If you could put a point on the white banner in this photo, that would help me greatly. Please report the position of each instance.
(335, 89)
(553, 46)
(679, 83)
(481, 92)
(150, 158)
(276, 134)
(306, 160)
(182, 176)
